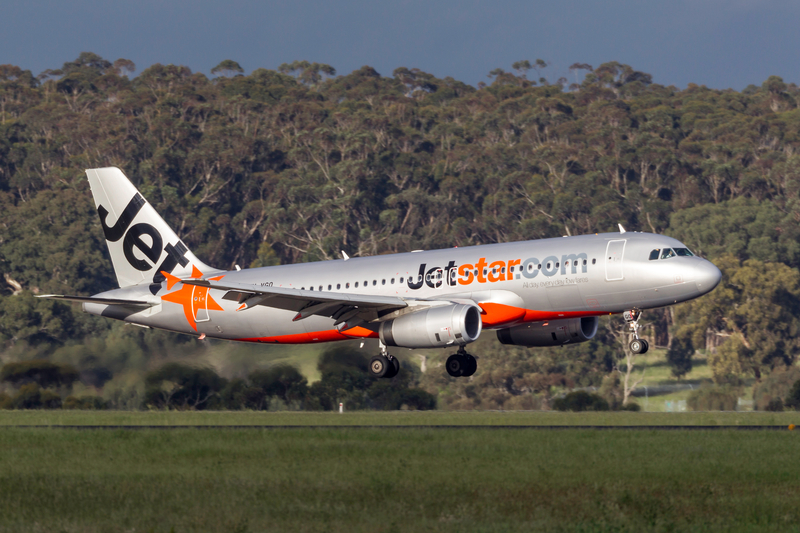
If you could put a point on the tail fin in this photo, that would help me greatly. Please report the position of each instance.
(141, 244)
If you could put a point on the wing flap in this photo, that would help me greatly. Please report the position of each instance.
(305, 303)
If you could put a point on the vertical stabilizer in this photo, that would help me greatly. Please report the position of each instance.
(141, 244)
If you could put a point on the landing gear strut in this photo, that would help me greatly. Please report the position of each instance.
(461, 364)
(637, 345)
(384, 365)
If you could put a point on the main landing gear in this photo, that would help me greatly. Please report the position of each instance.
(461, 364)
(384, 365)
(637, 345)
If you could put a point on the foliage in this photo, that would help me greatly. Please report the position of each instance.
(679, 356)
(775, 387)
(714, 398)
(42, 373)
(793, 398)
(580, 401)
(294, 165)
(84, 403)
(178, 386)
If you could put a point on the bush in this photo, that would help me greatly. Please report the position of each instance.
(679, 356)
(714, 398)
(775, 405)
(632, 406)
(188, 387)
(793, 398)
(580, 401)
(43, 373)
(86, 403)
(6, 402)
(777, 385)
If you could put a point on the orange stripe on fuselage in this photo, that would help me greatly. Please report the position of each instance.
(316, 336)
(500, 315)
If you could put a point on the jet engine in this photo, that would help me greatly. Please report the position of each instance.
(550, 333)
(434, 327)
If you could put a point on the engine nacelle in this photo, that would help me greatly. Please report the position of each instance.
(551, 332)
(434, 327)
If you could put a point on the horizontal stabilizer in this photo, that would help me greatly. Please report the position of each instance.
(101, 301)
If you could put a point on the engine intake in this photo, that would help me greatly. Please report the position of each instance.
(551, 333)
(434, 327)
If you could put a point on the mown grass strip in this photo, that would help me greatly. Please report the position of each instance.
(330, 479)
(393, 418)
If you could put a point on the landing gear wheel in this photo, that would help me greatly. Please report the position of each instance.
(470, 366)
(394, 368)
(637, 346)
(455, 365)
(646, 346)
(379, 366)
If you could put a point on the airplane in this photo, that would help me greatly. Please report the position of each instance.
(546, 292)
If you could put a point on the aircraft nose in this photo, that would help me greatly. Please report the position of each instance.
(707, 276)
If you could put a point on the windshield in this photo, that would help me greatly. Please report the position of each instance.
(684, 252)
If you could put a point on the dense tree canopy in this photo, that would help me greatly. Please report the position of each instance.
(297, 164)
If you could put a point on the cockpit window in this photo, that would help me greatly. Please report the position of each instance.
(684, 252)
(654, 254)
(667, 253)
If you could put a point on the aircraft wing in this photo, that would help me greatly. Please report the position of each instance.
(348, 309)
(103, 301)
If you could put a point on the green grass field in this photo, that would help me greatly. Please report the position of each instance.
(393, 418)
(395, 478)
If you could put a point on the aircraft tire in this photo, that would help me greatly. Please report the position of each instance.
(470, 366)
(379, 366)
(394, 368)
(646, 346)
(637, 346)
(455, 365)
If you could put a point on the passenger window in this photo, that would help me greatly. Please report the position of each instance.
(654, 254)
(356, 285)
(401, 280)
(392, 281)
(548, 265)
(338, 286)
(584, 262)
(346, 285)
(558, 265)
(530, 267)
(329, 287)
(383, 282)
(594, 261)
(366, 283)
(302, 288)
(667, 253)
(539, 266)
(374, 282)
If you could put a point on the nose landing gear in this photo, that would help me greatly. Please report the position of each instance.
(461, 364)
(637, 345)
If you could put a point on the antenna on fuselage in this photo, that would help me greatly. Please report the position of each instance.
(621, 229)
(344, 254)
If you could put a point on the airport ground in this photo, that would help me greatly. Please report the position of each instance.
(393, 478)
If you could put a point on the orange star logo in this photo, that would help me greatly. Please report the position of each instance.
(191, 297)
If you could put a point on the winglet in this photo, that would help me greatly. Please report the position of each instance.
(621, 229)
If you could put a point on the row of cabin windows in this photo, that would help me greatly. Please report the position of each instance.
(666, 253)
(438, 276)
(347, 285)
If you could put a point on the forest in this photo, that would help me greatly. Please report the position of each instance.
(300, 163)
